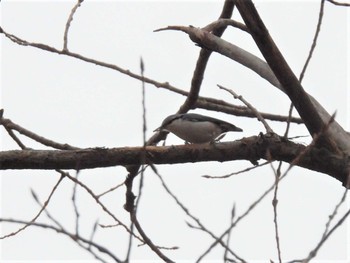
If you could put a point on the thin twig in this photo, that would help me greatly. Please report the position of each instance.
(235, 173)
(93, 232)
(9, 126)
(144, 130)
(238, 219)
(232, 217)
(338, 3)
(144, 120)
(290, 112)
(332, 216)
(222, 106)
(74, 237)
(188, 213)
(147, 240)
(63, 230)
(70, 19)
(254, 204)
(15, 138)
(274, 204)
(48, 214)
(104, 208)
(74, 201)
(324, 238)
(109, 190)
(258, 115)
(314, 41)
(313, 253)
(46, 203)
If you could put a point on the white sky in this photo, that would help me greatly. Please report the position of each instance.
(74, 102)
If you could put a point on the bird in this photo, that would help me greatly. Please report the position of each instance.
(196, 128)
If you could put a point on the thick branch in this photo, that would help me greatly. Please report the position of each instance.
(290, 83)
(252, 148)
(208, 40)
(280, 67)
(202, 62)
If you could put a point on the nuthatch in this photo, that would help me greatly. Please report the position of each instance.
(196, 128)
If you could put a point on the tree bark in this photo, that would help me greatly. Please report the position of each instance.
(251, 149)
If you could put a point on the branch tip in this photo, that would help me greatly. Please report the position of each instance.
(178, 28)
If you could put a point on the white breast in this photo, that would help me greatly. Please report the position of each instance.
(194, 132)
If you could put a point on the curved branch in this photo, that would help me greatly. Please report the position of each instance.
(206, 39)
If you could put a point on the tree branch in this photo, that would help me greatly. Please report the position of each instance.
(201, 102)
(283, 73)
(280, 67)
(251, 148)
(205, 39)
(202, 61)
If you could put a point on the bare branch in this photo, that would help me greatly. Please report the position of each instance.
(314, 41)
(75, 206)
(74, 237)
(93, 232)
(48, 214)
(235, 173)
(338, 3)
(147, 240)
(195, 219)
(297, 160)
(274, 204)
(9, 126)
(110, 190)
(291, 107)
(131, 208)
(222, 22)
(258, 115)
(70, 19)
(251, 148)
(202, 61)
(221, 106)
(104, 208)
(313, 253)
(238, 219)
(331, 160)
(280, 68)
(39, 213)
(332, 216)
(209, 41)
(201, 102)
(205, 39)
(325, 236)
(232, 217)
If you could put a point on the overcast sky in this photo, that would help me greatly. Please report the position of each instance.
(71, 101)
